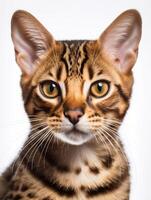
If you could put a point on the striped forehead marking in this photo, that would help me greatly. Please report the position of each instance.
(74, 57)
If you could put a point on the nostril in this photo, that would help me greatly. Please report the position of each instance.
(80, 115)
(73, 115)
(65, 114)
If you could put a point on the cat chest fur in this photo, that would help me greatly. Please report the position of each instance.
(88, 176)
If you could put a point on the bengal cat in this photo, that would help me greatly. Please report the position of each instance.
(76, 94)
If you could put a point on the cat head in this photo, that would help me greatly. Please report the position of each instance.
(76, 91)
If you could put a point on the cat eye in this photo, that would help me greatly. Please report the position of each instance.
(99, 88)
(49, 89)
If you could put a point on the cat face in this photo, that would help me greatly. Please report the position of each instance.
(76, 91)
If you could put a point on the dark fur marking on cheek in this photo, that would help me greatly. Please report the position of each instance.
(36, 110)
(41, 105)
(55, 115)
(44, 109)
(122, 93)
(38, 101)
(27, 93)
(116, 111)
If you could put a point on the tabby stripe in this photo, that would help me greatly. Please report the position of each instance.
(110, 187)
(36, 111)
(63, 58)
(100, 72)
(116, 111)
(55, 115)
(40, 105)
(50, 74)
(27, 94)
(70, 58)
(85, 58)
(44, 106)
(90, 72)
(59, 72)
(122, 93)
(56, 187)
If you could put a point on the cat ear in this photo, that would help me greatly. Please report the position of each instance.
(31, 40)
(119, 42)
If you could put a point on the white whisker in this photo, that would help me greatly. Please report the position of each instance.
(29, 150)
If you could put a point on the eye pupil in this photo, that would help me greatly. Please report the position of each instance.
(51, 87)
(99, 87)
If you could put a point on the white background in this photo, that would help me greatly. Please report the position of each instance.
(79, 19)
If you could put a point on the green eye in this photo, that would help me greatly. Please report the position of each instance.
(99, 88)
(49, 89)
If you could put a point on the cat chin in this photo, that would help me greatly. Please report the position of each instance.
(73, 138)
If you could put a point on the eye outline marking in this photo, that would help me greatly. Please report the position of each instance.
(59, 94)
(100, 80)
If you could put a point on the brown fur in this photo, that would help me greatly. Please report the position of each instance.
(48, 168)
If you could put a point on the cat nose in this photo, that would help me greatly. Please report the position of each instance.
(74, 115)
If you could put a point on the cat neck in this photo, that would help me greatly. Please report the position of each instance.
(63, 154)
(87, 162)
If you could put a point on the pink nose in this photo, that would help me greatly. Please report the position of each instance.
(74, 115)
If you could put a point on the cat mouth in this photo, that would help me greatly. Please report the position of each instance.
(74, 137)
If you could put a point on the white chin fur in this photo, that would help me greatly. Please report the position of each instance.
(74, 138)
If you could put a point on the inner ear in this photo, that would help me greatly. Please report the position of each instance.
(31, 40)
(119, 42)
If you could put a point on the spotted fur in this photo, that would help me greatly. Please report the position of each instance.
(49, 167)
